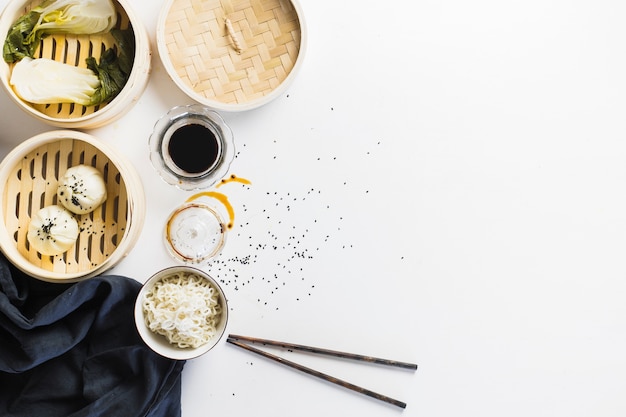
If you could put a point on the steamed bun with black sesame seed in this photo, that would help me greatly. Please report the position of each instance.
(81, 189)
(52, 230)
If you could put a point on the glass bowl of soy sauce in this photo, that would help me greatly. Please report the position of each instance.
(191, 147)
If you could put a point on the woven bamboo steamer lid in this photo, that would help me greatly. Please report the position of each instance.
(234, 66)
(30, 173)
(75, 49)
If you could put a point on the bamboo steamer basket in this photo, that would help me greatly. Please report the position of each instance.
(31, 172)
(75, 49)
(233, 66)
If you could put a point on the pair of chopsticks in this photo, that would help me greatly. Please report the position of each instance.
(240, 342)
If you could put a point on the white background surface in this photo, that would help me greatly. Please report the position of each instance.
(454, 174)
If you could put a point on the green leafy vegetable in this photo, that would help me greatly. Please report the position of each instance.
(125, 40)
(113, 69)
(81, 17)
(45, 81)
(16, 46)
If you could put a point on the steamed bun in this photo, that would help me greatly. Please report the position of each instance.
(52, 230)
(81, 189)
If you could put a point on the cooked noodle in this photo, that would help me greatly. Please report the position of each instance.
(184, 308)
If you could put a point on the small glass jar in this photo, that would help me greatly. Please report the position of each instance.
(191, 147)
(195, 232)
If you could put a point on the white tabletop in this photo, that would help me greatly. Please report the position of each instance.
(444, 183)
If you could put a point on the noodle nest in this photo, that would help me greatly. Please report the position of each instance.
(183, 307)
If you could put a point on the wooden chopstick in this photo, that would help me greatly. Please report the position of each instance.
(328, 352)
(235, 340)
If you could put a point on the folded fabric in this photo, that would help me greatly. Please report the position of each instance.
(72, 350)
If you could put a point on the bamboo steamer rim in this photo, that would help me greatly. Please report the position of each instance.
(135, 203)
(208, 67)
(94, 117)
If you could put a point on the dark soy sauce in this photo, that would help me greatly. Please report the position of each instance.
(193, 148)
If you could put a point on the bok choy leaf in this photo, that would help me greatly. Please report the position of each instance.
(16, 46)
(45, 81)
(113, 70)
(78, 17)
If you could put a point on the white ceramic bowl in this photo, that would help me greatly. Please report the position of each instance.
(159, 343)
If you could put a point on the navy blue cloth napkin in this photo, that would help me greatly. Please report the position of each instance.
(72, 350)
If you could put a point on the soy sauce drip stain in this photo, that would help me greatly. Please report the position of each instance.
(233, 178)
(222, 199)
(193, 148)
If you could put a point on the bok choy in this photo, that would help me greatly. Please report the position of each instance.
(45, 81)
(80, 17)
